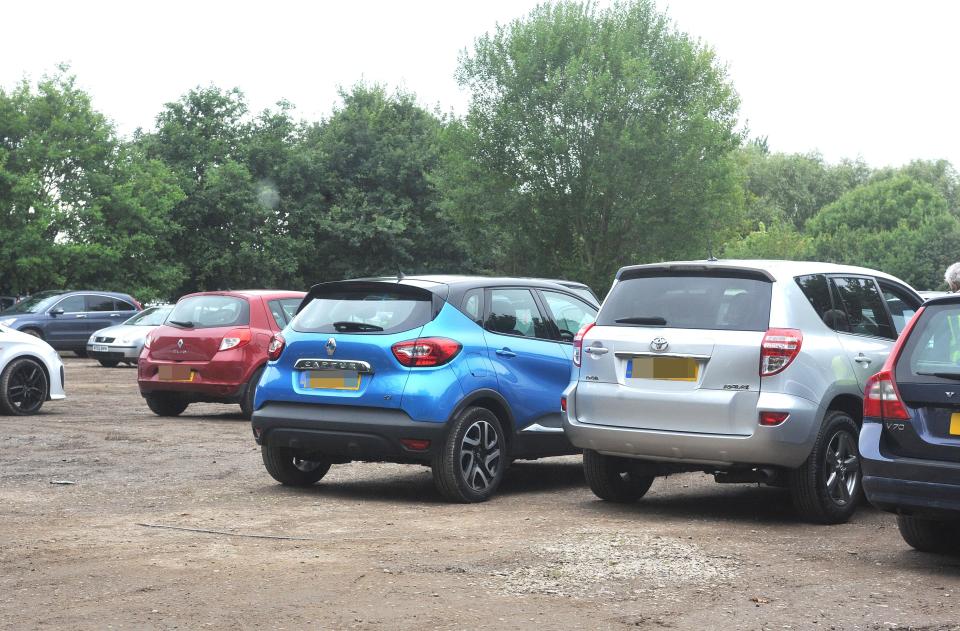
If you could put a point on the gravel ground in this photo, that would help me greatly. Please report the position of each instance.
(373, 547)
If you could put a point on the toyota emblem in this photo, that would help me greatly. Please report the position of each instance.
(331, 346)
(659, 344)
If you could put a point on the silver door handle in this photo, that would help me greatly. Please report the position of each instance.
(863, 359)
(81, 315)
(597, 350)
(114, 315)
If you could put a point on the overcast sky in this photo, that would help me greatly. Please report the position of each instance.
(874, 79)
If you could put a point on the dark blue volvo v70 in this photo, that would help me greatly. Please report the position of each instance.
(463, 374)
(910, 440)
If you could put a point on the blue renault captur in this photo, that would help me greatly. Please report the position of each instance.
(460, 373)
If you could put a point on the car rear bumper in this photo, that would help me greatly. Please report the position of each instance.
(217, 379)
(786, 445)
(907, 485)
(344, 432)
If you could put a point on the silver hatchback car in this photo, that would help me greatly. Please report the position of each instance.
(752, 371)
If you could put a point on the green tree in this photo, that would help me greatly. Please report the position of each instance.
(900, 225)
(779, 241)
(76, 207)
(363, 201)
(602, 137)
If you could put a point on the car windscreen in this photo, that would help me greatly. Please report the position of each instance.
(364, 311)
(151, 316)
(689, 302)
(207, 312)
(36, 303)
(932, 352)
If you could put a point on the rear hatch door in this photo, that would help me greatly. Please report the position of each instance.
(927, 375)
(339, 346)
(677, 348)
(197, 325)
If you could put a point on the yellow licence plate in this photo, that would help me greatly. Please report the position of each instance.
(174, 373)
(665, 368)
(955, 424)
(330, 380)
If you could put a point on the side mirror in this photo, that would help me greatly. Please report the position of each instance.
(57, 311)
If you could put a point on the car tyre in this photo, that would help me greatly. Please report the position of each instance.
(289, 469)
(109, 363)
(166, 404)
(246, 401)
(615, 479)
(929, 535)
(470, 464)
(827, 487)
(24, 387)
(33, 332)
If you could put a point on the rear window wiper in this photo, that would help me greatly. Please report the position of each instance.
(942, 375)
(356, 326)
(186, 325)
(642, 320)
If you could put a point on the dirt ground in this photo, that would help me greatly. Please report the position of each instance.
(373, 547)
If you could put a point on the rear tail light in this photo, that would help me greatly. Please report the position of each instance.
(137, 303)
(426, 351)
(235, 339)
(578, 343)
(563, 404)
(778, 350)
(772, 419)
(415, 444)
(148, 340)
(276, 346)
(882, 399)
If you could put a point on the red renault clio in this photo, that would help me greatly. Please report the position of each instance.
(212, 348)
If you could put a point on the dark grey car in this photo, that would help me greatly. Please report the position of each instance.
(66, 319)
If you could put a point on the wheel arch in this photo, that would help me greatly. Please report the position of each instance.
(496, 403)
(848, 403)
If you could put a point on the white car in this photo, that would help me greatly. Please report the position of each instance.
(31, 373)
(123, 342)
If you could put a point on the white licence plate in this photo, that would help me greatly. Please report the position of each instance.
(100, 348)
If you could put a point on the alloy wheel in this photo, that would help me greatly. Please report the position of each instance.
(27, 388)
(842, 468)
(480, 455)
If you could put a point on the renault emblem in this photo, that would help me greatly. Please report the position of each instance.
(331, 346)
(949, 394)
(659, 344)
(180, 343)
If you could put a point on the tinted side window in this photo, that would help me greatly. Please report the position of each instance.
(817, 290)
(72, 304)
(99, 303)
(122, 305)
(473, 305)
(569, 314)
(514, 312)
(864, 307)
(901, 304)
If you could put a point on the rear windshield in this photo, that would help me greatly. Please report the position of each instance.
(689, 302)
(151, 316)
(207, 312)
(932, 353)
(363, 311)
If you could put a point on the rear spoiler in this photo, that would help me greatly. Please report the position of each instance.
(687, 269)
(413, 291)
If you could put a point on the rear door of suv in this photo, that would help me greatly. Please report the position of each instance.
(677, 348)
(531, 368)
(927, 375)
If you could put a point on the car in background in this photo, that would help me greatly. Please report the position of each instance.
(123, 342)
(910, 441)
(212, 348)
(752, 371)
(460, 373)
(31, 373)
(66, 319)
(7, 301)
(929, 295)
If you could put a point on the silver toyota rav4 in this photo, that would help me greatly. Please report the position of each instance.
(750, 370)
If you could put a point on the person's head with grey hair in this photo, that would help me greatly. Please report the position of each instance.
(952, 276)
